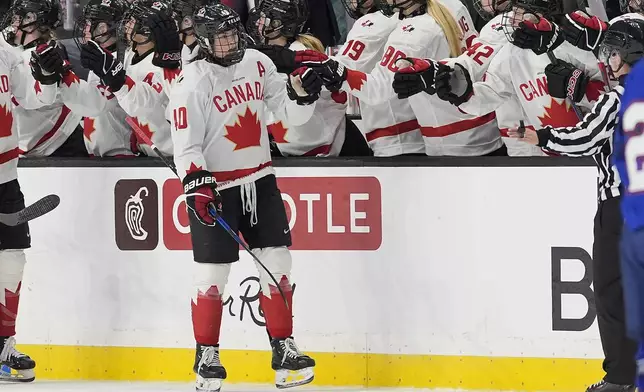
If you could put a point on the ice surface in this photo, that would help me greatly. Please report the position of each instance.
(64, 386)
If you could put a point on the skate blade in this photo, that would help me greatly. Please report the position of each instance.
(208, 384)
(293, 378)
(11, 375)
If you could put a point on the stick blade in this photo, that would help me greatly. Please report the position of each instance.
(37, 209)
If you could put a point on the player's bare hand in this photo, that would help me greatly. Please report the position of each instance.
(527, 136)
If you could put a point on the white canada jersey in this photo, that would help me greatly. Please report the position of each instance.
(188, 54)
(219, 118)
(43, 131)
(322, 135)
(104, 128)
(17, 85)
(445, 130)
(390, 127)
(144, 97)
(515, 72)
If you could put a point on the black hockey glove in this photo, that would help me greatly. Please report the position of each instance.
(201, 192)
(415, 78)
(333, 74)
(566, 81)
(453, 85)
(103, 64)
(283, 58)
(47, 63)
(307, 89)
(167, 44)
(541, 37)
(582, 30)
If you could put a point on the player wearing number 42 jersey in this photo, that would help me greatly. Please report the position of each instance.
(222, 153)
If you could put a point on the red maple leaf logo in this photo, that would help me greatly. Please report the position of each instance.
(146, 131)
(246, 132)
(207, 309)
(356, 79)
(278, 130)
(171, 74)
(88, 128)
(6, 120)
(129, 83)
(558, 115)
(37, 87)
(70, 78)
(193, 168)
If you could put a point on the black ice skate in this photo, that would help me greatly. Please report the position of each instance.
(292, 368)
(604, 386)
(14, 365)
(210, 372)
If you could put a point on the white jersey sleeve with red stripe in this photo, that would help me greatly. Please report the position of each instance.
(8, 138)
(42, 131)
(366, 41)
(219, 118)
(28, 92)
(144, 97)
(322, 134)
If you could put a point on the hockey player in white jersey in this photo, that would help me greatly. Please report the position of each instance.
(105, 130)
(142, 82)
(53, 130)
(15, 84)
(427, 28)
(221, 151)
(280, 23)
(389, 127)
(517, 70)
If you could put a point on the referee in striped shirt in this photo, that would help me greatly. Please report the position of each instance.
(622, 46)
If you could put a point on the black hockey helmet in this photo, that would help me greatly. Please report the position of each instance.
(99, 22)
(623, 43)
(272, 19)
(358, 8)
(27, 16)
(488, 9)
(135, 18)
(390, 7)
(183, 12)
(220, 34)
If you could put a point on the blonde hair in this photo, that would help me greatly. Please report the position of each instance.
(446, 21)
(311, 42)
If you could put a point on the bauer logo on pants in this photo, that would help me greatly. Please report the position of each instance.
(136, 214)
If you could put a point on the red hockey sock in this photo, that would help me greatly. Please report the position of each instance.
(206, 316)
(9, 310)
(279, 318)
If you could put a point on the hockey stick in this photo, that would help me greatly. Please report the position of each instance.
(211, 211)
(575, 108)
(38, 209)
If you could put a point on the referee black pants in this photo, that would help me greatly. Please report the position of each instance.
(619, 351)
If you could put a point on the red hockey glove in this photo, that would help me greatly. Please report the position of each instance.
(453, 85)
(307, 89)
(201, 194)
(541, 37)
(566, 81)
(582, 30)
(414, 78)
(333, 74)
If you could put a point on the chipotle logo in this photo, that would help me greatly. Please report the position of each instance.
(325, 213)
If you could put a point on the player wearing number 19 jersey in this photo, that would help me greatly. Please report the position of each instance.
(628, 152)
(390, 127)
